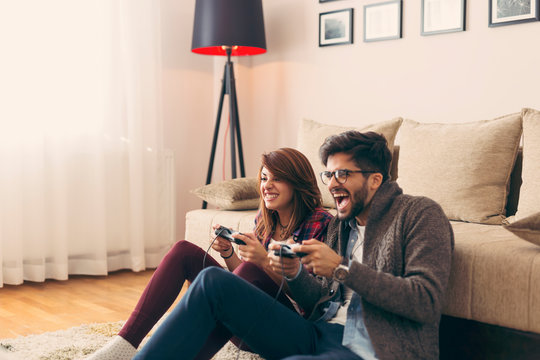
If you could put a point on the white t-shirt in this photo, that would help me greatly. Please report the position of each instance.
(358, 250)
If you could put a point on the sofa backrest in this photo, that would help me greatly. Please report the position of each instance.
(515, 179)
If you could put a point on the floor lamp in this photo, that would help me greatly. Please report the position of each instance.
(228, 28)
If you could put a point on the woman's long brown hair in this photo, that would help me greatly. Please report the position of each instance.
(292, 166)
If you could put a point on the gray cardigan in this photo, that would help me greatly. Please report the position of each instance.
(403, 276)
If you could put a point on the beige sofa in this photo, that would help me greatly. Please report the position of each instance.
(480, 174)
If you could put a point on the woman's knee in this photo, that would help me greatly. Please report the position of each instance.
(184, 249)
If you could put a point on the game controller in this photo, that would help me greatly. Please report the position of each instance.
(286, 251)
(226, 233)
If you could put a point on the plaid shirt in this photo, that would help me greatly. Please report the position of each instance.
(313, 227)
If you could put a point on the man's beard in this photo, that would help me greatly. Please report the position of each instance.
(358, 202)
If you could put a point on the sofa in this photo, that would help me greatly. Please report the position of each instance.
(486, 176)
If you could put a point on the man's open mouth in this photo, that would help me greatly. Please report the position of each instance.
(342, 199)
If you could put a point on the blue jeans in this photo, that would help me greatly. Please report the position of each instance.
(219, 298)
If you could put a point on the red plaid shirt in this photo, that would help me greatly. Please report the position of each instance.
(313, 227)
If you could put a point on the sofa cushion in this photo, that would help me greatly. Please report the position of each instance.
(495, 278)
(527, 228)
(529, 196)
(235, 194)
(312, 134)
(465, 167)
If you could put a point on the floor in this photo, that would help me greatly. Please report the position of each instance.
(33, 308)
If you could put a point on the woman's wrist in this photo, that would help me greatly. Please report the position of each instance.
(228, 256)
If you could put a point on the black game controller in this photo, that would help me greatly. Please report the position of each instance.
(286, 251)
(226, 233)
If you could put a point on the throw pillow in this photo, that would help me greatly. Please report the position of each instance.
(529, 194)
(235, 194)
(312, 134)
(465, 167)
(527, 228)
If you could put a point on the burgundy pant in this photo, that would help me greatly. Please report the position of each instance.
(184, 262)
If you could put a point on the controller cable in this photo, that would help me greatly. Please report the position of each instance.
(280, 289)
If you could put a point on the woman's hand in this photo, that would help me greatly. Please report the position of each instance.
(222, 245)
(253, 251)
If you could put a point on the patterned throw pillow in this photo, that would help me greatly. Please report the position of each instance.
(235, 194)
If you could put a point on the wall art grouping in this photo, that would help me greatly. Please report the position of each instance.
(383, 20)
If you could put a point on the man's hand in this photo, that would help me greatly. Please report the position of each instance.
(320, 258)
(284, 266)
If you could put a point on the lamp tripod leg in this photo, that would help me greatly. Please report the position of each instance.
(228, 87)
(236, 120)
(231, 90)
(235, 125)
(216, 133)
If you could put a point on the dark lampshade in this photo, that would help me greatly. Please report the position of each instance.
(235, 23)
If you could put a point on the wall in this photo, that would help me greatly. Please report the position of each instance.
(477, 74)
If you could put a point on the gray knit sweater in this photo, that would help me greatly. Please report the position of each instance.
(403, 276)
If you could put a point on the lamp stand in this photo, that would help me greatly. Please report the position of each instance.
(228, 87)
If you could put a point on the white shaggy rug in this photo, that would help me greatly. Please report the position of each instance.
(79, 342)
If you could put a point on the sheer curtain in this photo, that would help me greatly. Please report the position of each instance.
(85, 184)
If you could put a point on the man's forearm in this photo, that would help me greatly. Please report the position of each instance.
(307, 290)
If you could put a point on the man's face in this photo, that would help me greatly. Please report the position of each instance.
(353, 196)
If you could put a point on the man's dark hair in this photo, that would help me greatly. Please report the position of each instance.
(368, 150)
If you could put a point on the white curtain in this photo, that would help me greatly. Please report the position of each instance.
(85, 184)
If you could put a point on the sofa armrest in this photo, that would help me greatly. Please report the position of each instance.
(199, 226)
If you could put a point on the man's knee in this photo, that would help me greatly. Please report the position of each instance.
(218, 283)
(213, 278)
(213, 272)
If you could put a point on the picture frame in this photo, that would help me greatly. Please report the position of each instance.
(323, 1)
(442, 16)
(383, 21)
(508, 12)
(336, 27)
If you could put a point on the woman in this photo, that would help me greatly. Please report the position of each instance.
(290, 207)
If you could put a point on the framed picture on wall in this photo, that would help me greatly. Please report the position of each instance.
(336, 27)
(382, 21)
(321, 1)
(442, 16)
(509, 12)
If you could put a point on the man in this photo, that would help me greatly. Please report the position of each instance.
(390, 253)
(380, 276)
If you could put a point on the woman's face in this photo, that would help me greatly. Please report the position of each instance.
(276, 193)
